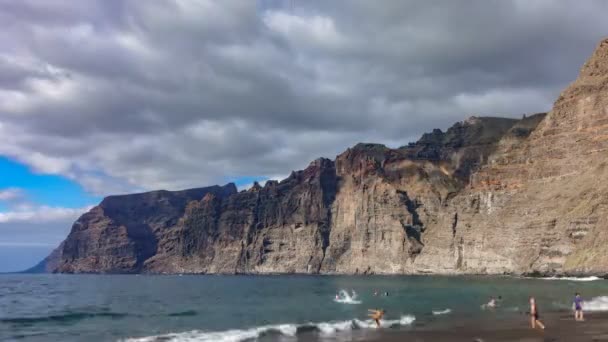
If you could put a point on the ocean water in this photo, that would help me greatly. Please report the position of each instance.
(264, 308)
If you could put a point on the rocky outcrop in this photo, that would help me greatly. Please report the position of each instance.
(489, 196)
(281, 227)
(122, 232)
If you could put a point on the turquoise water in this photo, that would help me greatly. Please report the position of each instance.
(272, 308)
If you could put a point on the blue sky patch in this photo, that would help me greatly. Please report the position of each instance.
(241, 182)
(43, 189)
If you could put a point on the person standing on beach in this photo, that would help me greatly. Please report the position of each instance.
(534, 315)
(578, 307)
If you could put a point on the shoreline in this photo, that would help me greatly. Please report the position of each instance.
(567, 277)
(560, 326)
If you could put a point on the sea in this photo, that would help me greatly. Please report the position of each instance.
(265, 308)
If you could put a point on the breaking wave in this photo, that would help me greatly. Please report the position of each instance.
(596, 304)
(441, 312)
(287, 330)
(592, 278)
(344, 297)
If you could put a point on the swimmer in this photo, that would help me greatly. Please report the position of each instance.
(376, 315)
(491, 303)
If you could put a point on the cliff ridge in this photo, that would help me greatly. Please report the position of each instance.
(487, 196)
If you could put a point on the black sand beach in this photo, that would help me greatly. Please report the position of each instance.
(560, 327)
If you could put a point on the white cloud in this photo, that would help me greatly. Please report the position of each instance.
(317, 31)
(27, 244)
(174, 94)
(10, 194)
(42, 214)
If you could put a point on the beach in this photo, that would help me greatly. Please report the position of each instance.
(560, 327)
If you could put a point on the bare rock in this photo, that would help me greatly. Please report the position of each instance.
(488, 196)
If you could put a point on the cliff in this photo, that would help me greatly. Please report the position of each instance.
(489, 195)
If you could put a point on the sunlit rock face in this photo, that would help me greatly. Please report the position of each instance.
(489, 195)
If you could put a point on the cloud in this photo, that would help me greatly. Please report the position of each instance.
(10, 194)
(27, 244)
(129, 95)
(41, 214)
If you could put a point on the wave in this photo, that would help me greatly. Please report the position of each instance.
(592, 278)
(61, 318)
(183, 313)
(442, 312)
(596, 304)
(343, 297)
(286, 330)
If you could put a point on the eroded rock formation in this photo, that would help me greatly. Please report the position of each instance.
(489, 195)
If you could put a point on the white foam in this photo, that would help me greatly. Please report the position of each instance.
(592, 278)
(343, 297)
(385, 323)
(442, 312)
(596, 304)
(331, 328)
(235, 335)
(488, 306)
(289, 330)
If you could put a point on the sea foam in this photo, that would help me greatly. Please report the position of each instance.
(441, 312)
(592, 278)
(596, 304)
(287, 330)
(344, 297)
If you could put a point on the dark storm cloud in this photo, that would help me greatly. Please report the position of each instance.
(130, 95)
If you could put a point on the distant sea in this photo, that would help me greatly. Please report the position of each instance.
(263, 308)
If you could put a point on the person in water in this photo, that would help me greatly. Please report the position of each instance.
(376, 315)
(534, 315)
(491, 303)
(578, 307)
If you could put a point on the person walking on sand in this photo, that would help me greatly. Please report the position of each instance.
(534, 315)
(578, 307)
(376, 315)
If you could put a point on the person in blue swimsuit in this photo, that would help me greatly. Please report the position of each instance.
(578, 307)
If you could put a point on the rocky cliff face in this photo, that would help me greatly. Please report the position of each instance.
(122, 232)
(489, 195)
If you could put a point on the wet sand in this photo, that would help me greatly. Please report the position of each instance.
(559, 327)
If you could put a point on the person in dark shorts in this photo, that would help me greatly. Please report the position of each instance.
(578, 307)
(376, 315)
(534, 315)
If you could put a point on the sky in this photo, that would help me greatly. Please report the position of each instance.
(109, 97)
